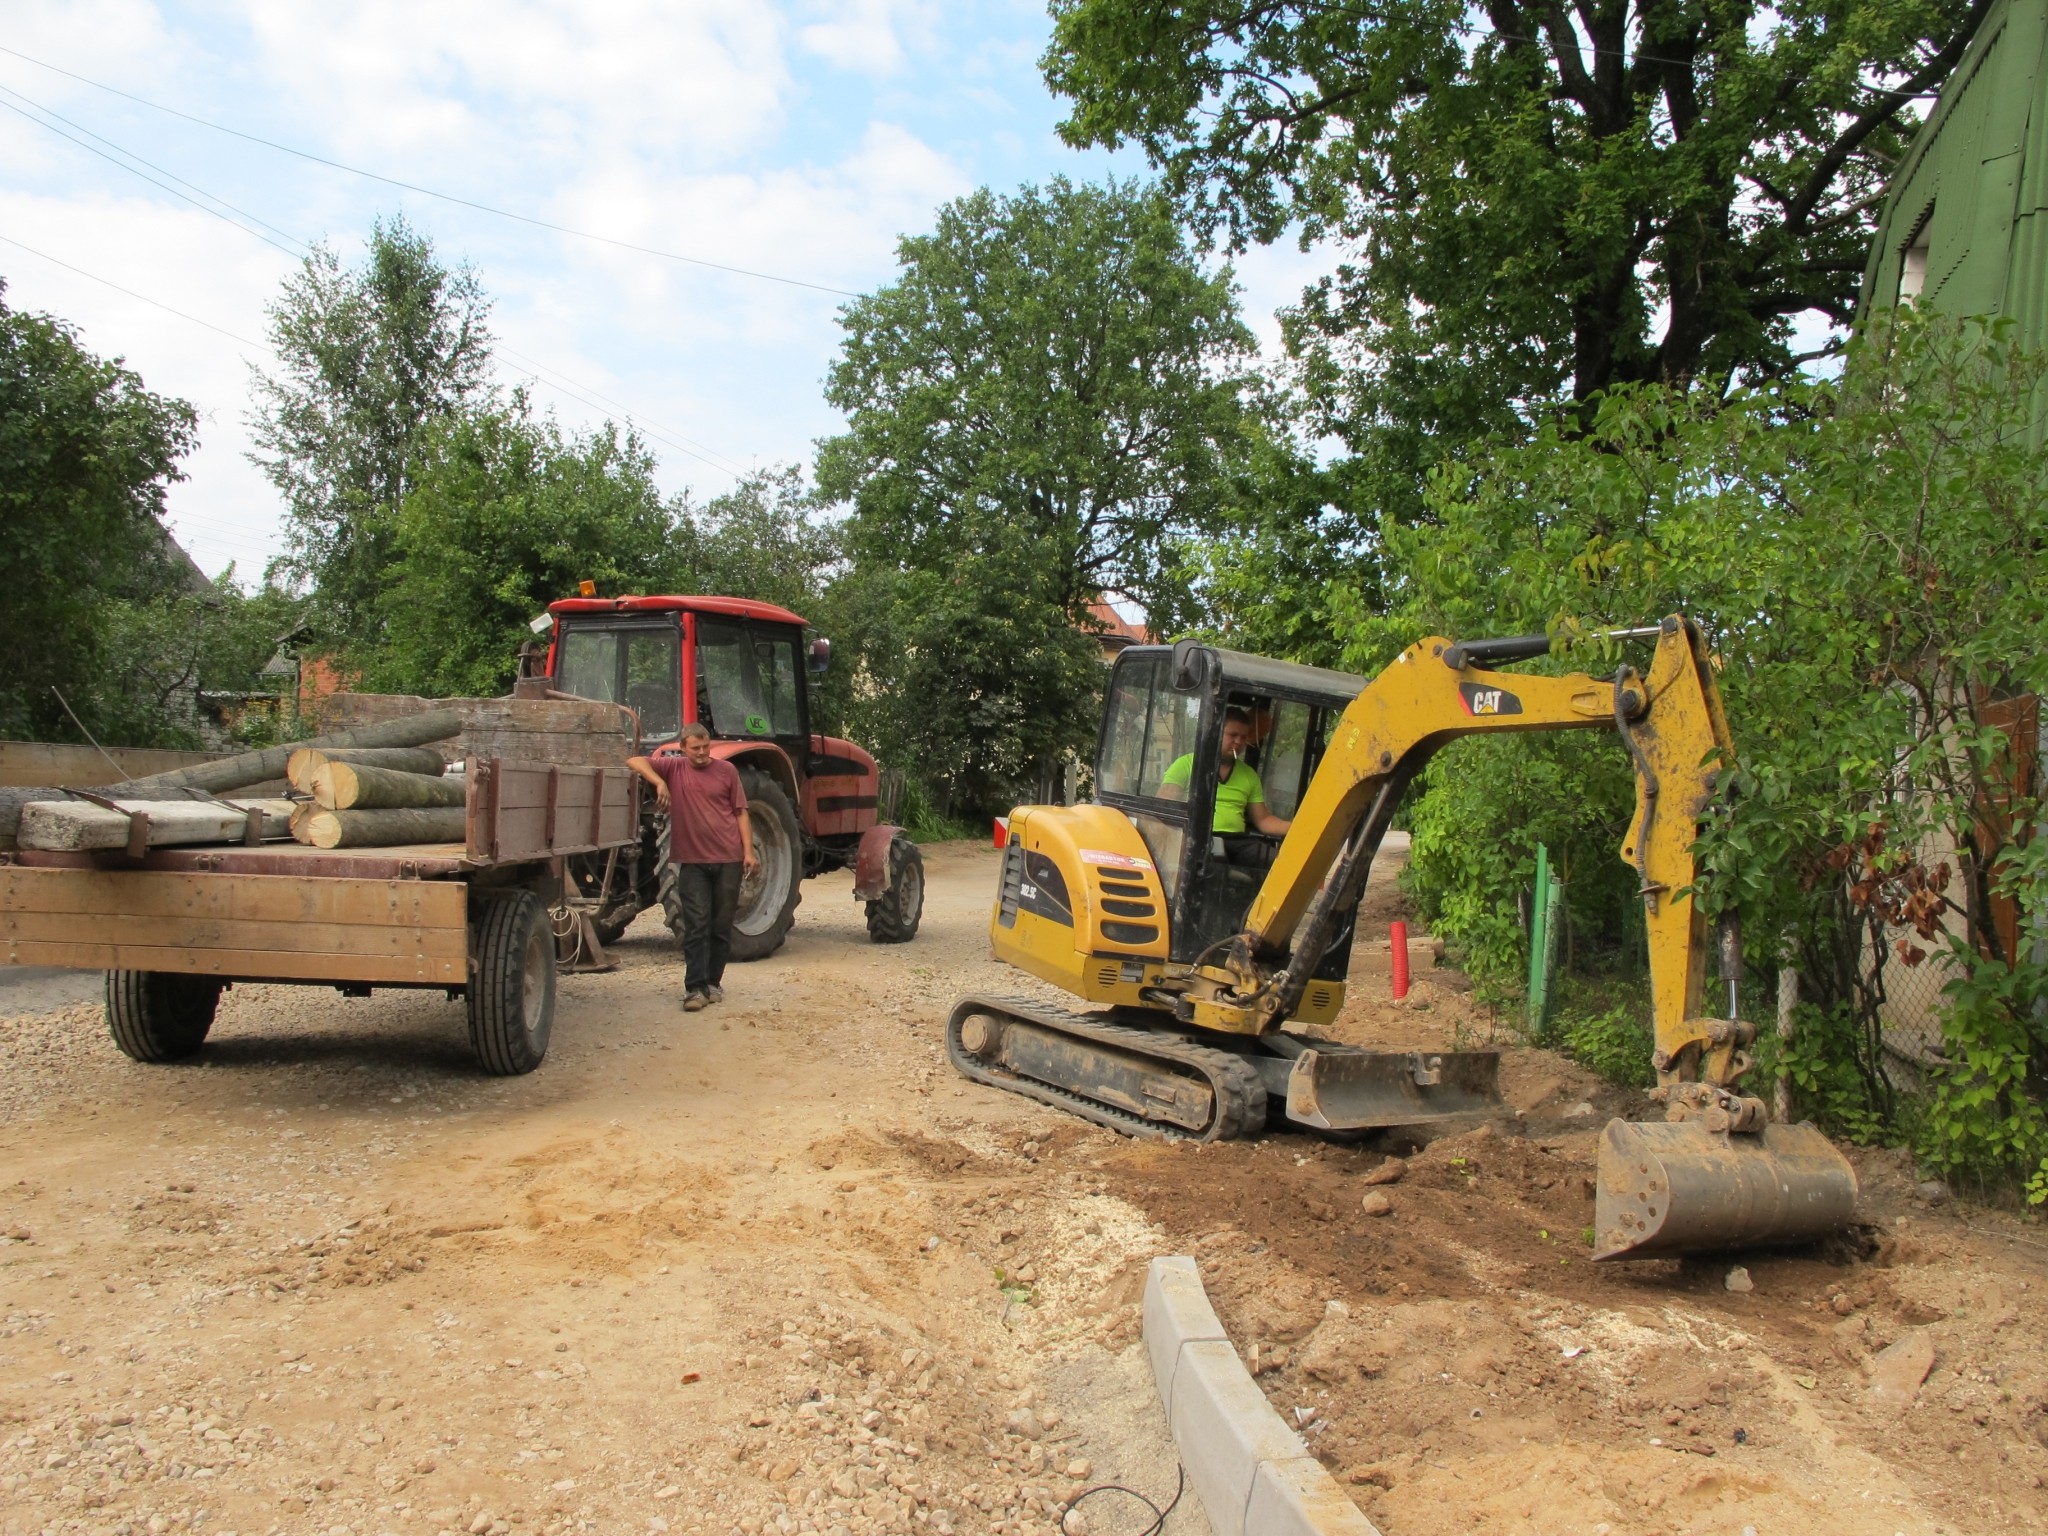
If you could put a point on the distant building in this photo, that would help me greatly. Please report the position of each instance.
(1117, 631)
(1965, 222)
(1965, 231)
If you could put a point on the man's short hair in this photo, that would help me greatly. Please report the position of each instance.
(693, 731)
(1242, 717)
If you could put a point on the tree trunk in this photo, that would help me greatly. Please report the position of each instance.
(400, 759)
(254, 767)
(359, 786)
(378, 829)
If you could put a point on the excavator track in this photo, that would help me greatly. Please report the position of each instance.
(1139, 1082)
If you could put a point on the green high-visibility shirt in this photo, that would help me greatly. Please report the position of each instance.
(1234, 795)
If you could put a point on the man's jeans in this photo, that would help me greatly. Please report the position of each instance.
(709, 895)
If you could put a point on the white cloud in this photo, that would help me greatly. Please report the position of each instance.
(862, 35)
(519, 83)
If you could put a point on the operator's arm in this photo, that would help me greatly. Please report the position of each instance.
(645, 769)
(1265, 821)
(1173, 784)
(747, 859)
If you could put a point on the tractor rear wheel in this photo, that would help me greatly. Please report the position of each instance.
(894, 915)
(158, 1016)
(769, 896)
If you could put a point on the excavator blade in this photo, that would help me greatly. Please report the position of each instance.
(1676, 1188)
(1342, 1088)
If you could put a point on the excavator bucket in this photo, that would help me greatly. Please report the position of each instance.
(1342, 1088)
(1678, 1188)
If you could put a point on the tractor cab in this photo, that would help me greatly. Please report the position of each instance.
(737, 666)
(1160, 758)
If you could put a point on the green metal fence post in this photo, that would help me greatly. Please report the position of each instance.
(1553, 943)
(1539, 944)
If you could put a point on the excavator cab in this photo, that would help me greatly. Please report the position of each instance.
(1160, 761)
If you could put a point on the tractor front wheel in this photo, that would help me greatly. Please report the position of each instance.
(893, 916)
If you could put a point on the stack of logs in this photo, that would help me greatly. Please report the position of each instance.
(363, 797)
(188, 807)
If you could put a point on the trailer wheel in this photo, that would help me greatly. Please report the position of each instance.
(512, 999)
(158, 1016)
(894, 915)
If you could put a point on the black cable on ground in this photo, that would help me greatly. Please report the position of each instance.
(1158, 1515)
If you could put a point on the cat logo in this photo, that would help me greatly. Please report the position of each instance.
(1488, 701)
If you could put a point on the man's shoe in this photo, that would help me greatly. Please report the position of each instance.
(716, 994)
(695, 1002)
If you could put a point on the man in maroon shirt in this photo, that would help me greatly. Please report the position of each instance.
(711, 841)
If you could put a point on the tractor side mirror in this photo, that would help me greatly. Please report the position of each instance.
(1191, 664)
(821, 656)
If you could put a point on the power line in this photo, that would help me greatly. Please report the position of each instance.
(446, 197)
(143, 297)
(131, 170)
(653, 429)
(672, 438)
(160, 170)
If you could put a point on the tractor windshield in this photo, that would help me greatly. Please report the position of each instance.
(748, 678)
(634, 664)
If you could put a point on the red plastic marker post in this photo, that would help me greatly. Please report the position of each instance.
(1397, 935)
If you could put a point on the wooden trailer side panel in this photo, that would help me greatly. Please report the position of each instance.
(410, 932)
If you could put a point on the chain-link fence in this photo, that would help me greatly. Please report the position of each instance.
(1909, 1006)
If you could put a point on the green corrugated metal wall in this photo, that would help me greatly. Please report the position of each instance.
(1974, 186)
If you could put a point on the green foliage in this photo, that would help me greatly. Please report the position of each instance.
(1614, 1042)
(1837, 1078)
(968, 678)
(86, 456)
(506, 514)
(372, 360)
(1477, 817)
(1052, 374)
(1533, 220)
(1867, 558)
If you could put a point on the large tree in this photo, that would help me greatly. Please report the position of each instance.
(505, 514)
(371, 358)
(86, 456)
(1055, 367)
(1537, 200)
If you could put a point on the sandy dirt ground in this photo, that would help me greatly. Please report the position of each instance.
(773, 1268)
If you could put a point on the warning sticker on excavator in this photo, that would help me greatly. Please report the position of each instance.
(1480, 700)
(1114, 860)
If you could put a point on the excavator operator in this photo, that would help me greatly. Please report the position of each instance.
(1240, 796)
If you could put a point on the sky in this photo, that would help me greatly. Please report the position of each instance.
(799, 140)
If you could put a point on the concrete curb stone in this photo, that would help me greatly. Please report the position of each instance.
(1252, 1473)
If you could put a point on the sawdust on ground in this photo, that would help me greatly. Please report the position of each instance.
(773, 1268)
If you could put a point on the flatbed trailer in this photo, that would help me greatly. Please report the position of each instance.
(481, 919)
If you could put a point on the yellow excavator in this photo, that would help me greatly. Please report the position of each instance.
(1211, 958)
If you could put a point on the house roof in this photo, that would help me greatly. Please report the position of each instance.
(1117, 631)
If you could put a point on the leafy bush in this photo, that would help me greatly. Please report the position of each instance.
(1866, 557)
(1615, 1043)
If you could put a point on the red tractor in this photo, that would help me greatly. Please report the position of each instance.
(741, 668)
